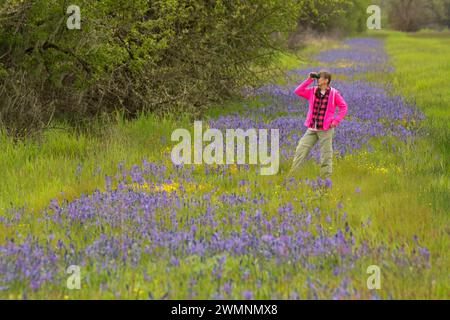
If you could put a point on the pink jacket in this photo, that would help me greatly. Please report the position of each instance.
(334, 100)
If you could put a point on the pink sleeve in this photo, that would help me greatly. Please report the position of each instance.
(302, 89)
(340, 103)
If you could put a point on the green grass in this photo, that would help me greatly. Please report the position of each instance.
(404, 193)
(65, 164)
(422, 71)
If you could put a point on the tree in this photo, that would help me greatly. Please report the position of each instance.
(409, 15)
(160, 56)
(346, 16)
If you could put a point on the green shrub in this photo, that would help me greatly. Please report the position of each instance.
(160, 56)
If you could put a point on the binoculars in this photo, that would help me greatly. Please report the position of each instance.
(314, 75)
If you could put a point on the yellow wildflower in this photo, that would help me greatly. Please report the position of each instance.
(382, 170)
(167, 187)
(196, 187)
(233, 168)
(166, 150)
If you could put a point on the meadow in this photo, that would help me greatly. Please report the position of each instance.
(140, 227)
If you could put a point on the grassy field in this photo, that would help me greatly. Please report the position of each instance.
(422, 64)
(404, 193)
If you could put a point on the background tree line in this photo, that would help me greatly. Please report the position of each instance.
(159, 56)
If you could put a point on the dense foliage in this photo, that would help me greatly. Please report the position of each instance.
(345, 16)
(412, 15)
(158, 56)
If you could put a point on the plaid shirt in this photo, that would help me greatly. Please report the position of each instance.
(320, 106)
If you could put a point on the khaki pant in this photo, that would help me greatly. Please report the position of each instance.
(308, 141)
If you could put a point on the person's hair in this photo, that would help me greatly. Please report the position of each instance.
(325, 74)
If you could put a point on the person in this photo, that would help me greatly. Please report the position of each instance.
(320, 120)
